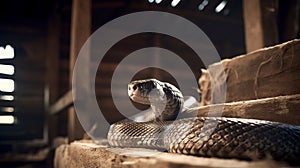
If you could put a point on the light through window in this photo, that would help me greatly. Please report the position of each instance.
(7, 97)
(7, 52)
(8, 109)
(7, 69)
(7, 84)
(7, 119)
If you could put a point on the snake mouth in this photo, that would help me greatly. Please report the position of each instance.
(140, 99)
(137, 95)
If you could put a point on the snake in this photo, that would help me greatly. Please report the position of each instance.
(221, 137)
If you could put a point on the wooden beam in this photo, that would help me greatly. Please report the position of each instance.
(52, 59)
(260, 19)
(52, 71)
(80, 28)
(75, 130)
(282, 109)
(64, 102)
(80, 31)
(268, 72)
(83, 153)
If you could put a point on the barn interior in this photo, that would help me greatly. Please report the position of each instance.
(40, 42)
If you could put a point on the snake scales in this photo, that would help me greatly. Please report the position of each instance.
(202, 136)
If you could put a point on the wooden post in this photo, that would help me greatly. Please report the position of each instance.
(260, 18)
(289, 12)
(52, 71)
(80, 31)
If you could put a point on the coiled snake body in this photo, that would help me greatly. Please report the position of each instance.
(202, 136)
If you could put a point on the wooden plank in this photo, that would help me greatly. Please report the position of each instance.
(52, 59)
(268, 72)
(80, 28)
(80, 31)
(75, 130)
(52, 73)
(64, 102)
(260, 21)
(284, 109)
(253, 25)
(88, 154)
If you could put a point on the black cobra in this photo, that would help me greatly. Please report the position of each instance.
(202, 136)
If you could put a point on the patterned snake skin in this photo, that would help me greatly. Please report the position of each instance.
(203, 136)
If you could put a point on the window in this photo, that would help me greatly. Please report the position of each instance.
(7, 85)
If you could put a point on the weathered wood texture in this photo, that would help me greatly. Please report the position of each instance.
(267, 72)
(80, 31)
(260, 19)
(87, 154)
(284, 109)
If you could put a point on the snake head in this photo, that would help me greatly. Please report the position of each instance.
(164, 98)
(139, 91)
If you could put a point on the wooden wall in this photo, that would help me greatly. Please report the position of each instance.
(29, 44)
(31, 39)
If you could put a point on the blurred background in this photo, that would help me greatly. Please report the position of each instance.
(39, 41)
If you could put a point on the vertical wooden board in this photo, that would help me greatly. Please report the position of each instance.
(80, 28)
(52, 60)
(260, 19)
(253, 26)
(80, 31)
(52, 72)
(75, 130)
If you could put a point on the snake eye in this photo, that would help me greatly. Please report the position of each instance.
(134, 87)
(153, 85)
